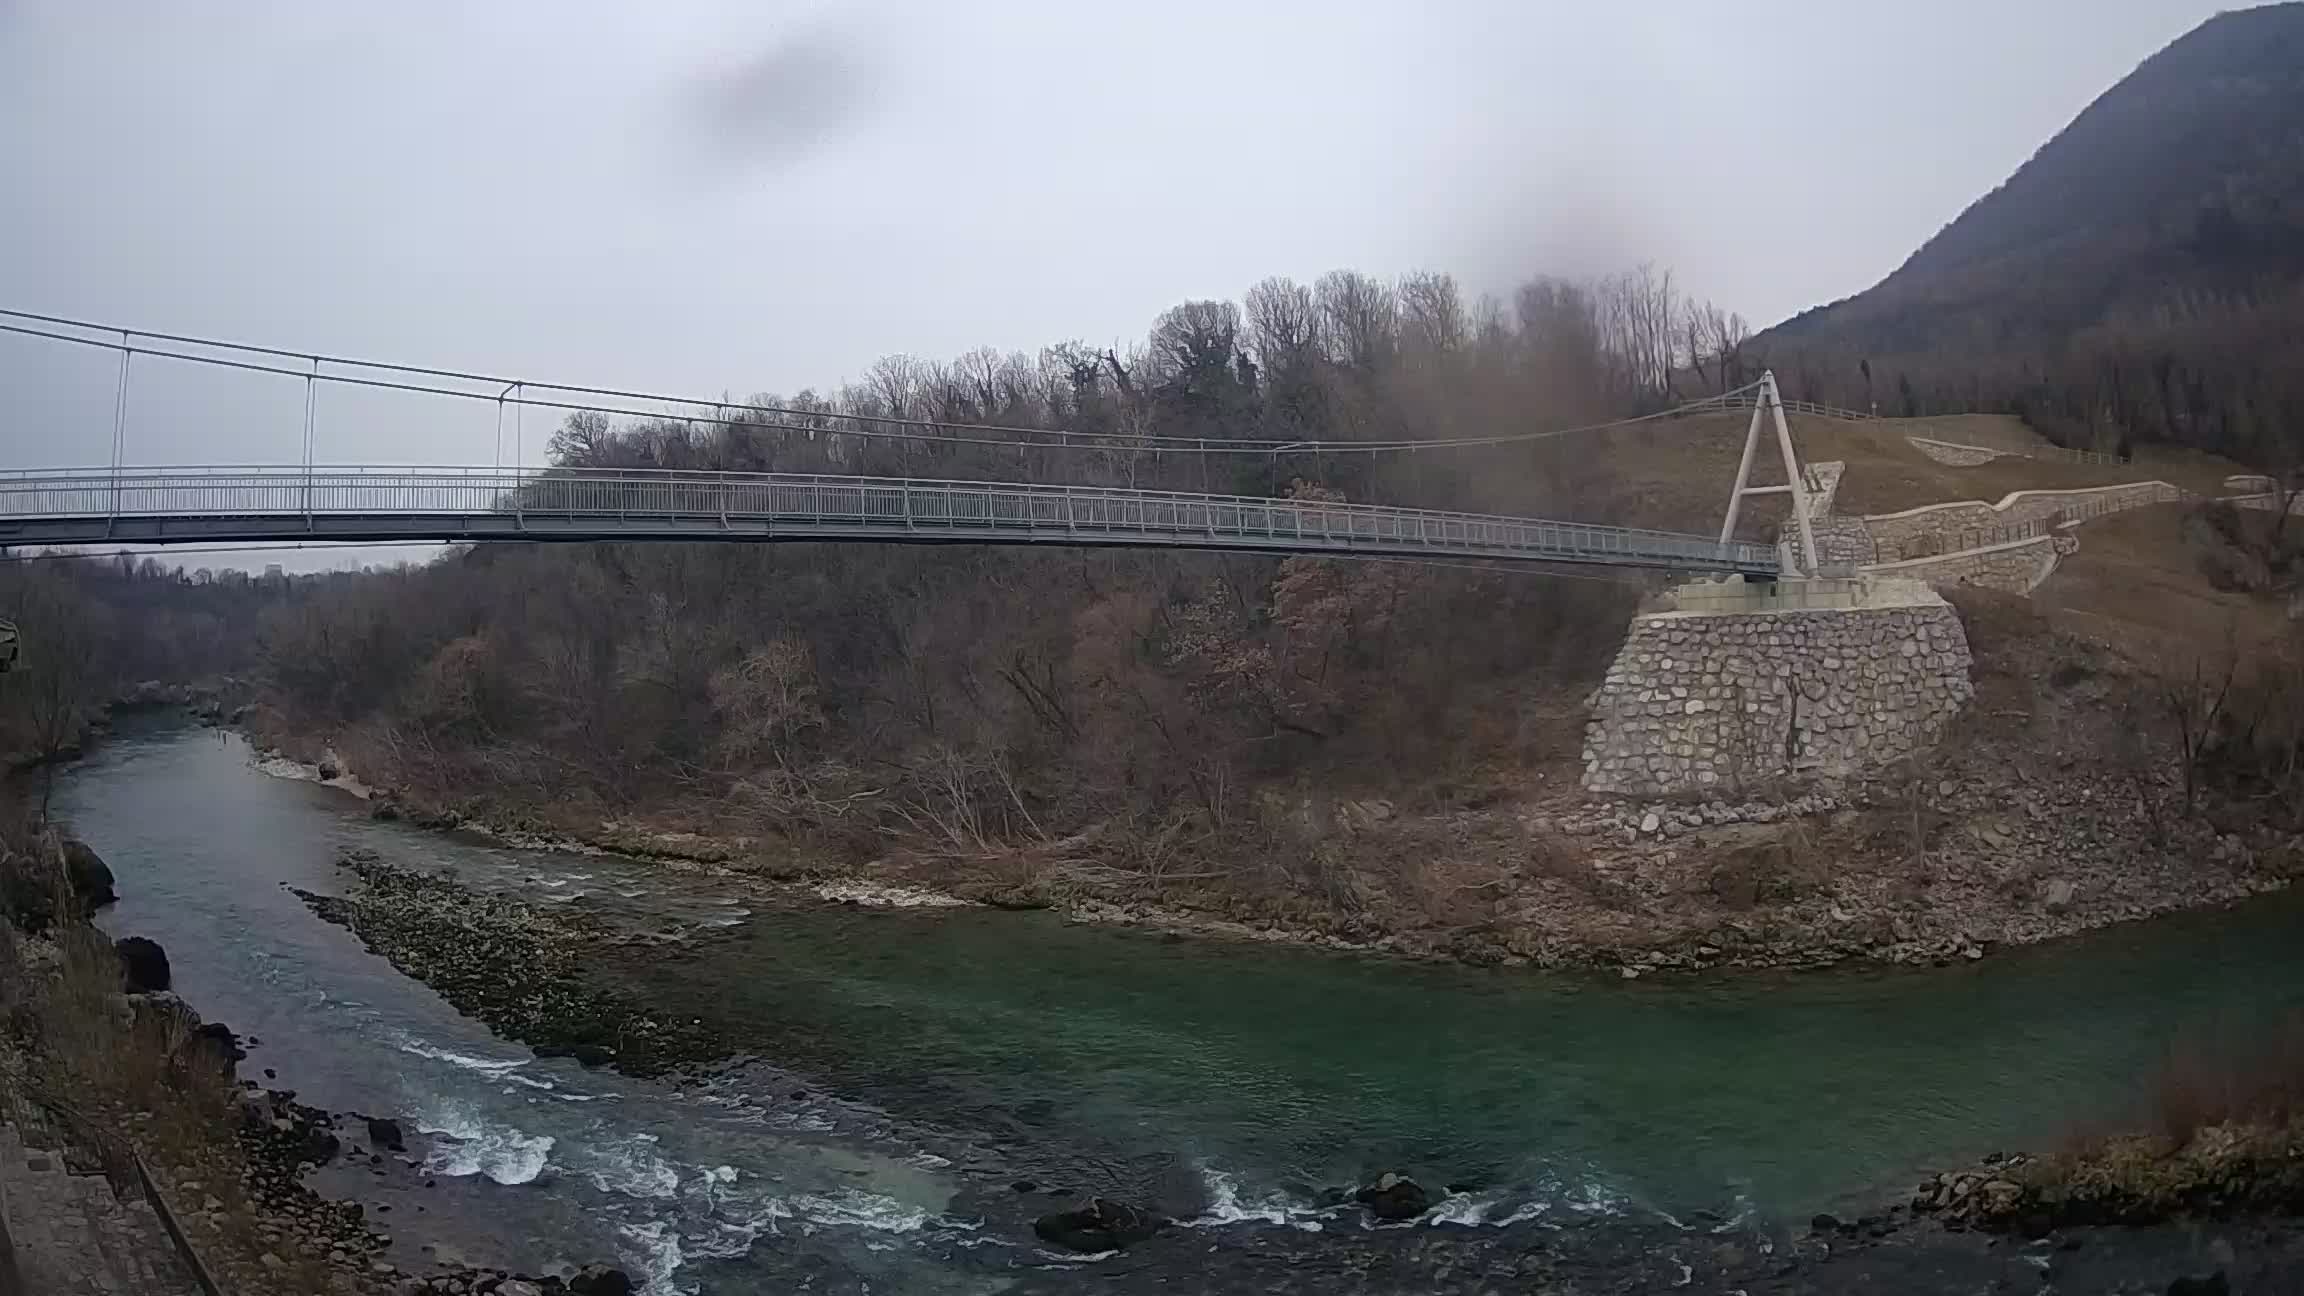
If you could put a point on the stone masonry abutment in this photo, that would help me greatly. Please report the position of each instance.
(1744, 685)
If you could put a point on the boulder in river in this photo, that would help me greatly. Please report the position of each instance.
(1099, 1226)
(600, 1280)
(1394, 1197)
(90, 878)
(143, 965)
(218, 1042)
(386, 1134)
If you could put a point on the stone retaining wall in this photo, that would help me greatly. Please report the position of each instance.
(1845, 540)
(2016, 567)
(1952, 526)
(1707, 703)
(2267, 503)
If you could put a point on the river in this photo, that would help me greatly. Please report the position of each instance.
(911, 1065)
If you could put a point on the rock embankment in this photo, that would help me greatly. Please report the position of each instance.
(282, 1140)
(525, 971)
(2130, 1179)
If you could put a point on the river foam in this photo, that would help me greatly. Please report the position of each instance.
(629, 1167)
(1226, 1206)
(468, 1144)
(1229, 1203)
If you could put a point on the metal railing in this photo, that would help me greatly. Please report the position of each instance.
(182, 504)
(122, 1165)
(1745, 400)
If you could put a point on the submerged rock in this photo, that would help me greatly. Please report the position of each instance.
(1101, 1225)
(386, 1134)
(1394, 1197)
(600, 1280)
(143, 965)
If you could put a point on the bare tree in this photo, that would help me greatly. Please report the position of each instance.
(2193, 704)
(1359, 320)
(1283, 325)
(1639, 321)
(1433, 321)
(58, 684)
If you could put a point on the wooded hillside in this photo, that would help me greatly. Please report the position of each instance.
(2140, 279)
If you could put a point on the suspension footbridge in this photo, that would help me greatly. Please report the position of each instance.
(121, 503)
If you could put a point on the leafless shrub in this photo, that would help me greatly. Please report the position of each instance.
(2203, 1082)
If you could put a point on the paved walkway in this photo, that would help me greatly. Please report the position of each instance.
(73, 1237)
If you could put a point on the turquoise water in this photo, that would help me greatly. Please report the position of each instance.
(944, 1053)
(1794, 1092)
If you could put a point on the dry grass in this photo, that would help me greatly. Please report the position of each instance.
(2225, 1125)
(2261, 1083)
(2137, 585)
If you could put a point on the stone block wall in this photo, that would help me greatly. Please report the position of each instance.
(1952, 526)
(2269, 503)
(2016, 567)
(1707, 702)
(1845, 540)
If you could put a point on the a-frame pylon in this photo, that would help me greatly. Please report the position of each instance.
(1766, 403)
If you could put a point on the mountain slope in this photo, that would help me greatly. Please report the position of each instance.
(2139, 277)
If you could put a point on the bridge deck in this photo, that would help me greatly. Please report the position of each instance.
(184, 505)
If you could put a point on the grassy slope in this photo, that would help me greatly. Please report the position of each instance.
(2137, 584)
(1675, 475)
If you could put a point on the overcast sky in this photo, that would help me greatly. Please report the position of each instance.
(764, 196)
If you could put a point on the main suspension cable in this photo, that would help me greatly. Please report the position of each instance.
(779, 417)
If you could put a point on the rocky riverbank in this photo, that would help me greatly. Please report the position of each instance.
(283, 1141)
(2043, 815)
(102, 1058)
(2221, 1171)
(521, 970)
(1870, 870)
